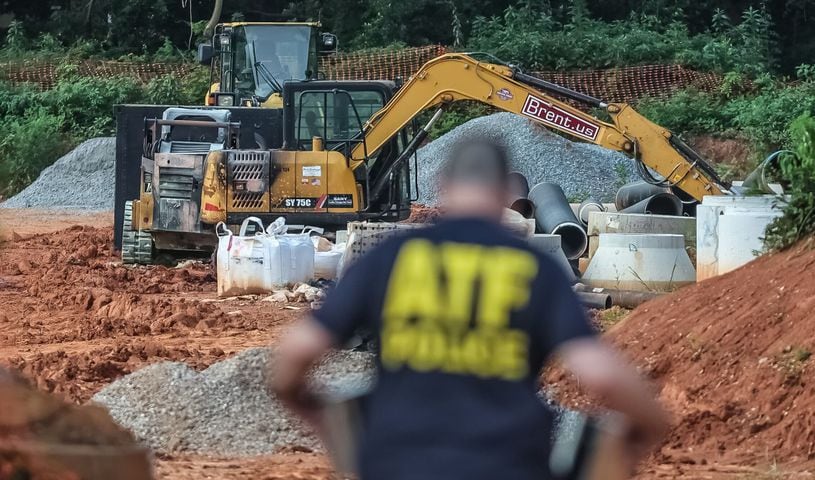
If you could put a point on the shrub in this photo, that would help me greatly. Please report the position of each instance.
(457, 114)
(27, 145)
(687, 111)
(532, 36)
(164, 90)
(798, 170)
(87, 103)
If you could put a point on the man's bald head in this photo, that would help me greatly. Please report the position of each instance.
(474, 179)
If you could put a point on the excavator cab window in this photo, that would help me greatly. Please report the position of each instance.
(336, 116)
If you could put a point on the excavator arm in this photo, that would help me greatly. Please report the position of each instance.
(453, 77)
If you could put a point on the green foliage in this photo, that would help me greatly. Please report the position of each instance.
(457, 114)
(87, 103)
(163, 90)
(27, 145)
(805, 71)
(798, 170)
(15, 37)
(194, 85)
(764, 118)
(535, 38)
(38, 127)
(688, 111)
(760, 115)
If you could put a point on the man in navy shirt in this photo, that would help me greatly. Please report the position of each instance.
(465, 316)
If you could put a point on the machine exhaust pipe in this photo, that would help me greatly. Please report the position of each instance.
(599, 301)
(554, 216)
(213, 20)
(659, 204)
(518, 188)
(633, 193)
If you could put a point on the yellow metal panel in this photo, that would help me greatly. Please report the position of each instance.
(313, 181)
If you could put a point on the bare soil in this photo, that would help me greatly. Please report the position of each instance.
(733, 156)
(730, 356)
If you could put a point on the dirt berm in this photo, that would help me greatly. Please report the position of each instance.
(732, 357)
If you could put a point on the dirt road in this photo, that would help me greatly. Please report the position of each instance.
(73, 319)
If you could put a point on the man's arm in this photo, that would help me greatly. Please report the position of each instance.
(600, 371)
(345, 309)
(299, 350)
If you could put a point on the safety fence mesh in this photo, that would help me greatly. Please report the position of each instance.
(44, 74)
(623, 84)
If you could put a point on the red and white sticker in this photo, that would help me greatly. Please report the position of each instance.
(555, 116)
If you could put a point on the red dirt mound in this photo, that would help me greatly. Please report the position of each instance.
(78, 375)
(423, 214)
(732, 358)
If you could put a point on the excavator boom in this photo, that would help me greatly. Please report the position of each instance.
(456, 76)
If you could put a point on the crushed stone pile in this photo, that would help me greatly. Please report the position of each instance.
(226, 409)
(583, 170)
(83, 179)
(732, 357)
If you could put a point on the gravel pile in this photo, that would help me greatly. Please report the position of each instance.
(581, 169)
(225, 409)
(84, 178)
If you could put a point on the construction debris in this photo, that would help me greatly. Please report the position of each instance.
(300, 293)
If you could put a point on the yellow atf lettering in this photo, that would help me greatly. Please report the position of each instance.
(430, 350)
(397, 346)
(461, 263)
(505, 277)
(428, 308)
(413, 288)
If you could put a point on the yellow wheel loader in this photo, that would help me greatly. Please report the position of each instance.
(348, 152)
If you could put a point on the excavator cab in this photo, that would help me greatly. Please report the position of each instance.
(334, 115)
(250, 62)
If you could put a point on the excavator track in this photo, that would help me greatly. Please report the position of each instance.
(137, 245)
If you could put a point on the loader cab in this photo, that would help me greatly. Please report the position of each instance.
(249, 62)
(336, 112)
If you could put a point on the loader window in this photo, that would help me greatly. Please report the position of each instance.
(333, 116)
(266, 56)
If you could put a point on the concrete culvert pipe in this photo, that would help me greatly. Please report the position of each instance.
(554, 216)
(518, 188)
(659, 204)
(633, 193)
(586, 207)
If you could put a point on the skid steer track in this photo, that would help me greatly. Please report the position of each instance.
(137, 246)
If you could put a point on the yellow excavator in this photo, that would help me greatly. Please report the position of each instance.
(348, 153)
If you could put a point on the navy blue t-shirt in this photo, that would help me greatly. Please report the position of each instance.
(465, 315)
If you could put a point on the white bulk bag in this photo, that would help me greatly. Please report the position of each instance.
(326, 264)
(245, 264)
(294, 252)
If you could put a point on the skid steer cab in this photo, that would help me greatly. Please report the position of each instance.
(194, 174)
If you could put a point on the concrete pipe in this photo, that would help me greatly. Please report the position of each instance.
(659, 204)
(633, 193)
(760, 178)
(586, 207)
(554, 216)
(518, 188)
(600, 301)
